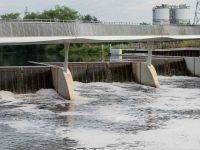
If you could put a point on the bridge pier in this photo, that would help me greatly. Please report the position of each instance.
(149, 58)
(62, 78)
(145, 73)
(66, 49)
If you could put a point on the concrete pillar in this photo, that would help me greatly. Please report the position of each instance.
(149, 58)
(62, 78)
(145, 74)
(66, 49)
(63, 82)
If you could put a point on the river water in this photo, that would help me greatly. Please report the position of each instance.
(104, 116)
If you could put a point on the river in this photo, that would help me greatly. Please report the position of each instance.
(104, 116)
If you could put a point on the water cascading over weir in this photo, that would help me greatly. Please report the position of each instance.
(28, 79)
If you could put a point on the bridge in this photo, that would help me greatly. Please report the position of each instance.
(23, 32)
(46, 31)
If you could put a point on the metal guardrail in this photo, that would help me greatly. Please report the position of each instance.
(66, 21)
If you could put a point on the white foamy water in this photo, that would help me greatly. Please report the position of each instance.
(177, 134)
(90, 138)
(106, 116)
(115, 113)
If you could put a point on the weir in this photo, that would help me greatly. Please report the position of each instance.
(23, 32)
(87, 72)
(33, 78)
(46, 75)
(172, 67)
(135, 71)
(25, 79)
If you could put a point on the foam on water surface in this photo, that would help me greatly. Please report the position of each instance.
(105, 115)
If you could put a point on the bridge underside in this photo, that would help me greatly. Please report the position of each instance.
(92, 39)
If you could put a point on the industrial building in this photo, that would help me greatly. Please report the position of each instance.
(171, 14)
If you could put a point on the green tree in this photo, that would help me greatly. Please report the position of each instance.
(89, 18)
(10, 16)
(57, 13)
(19, 55)
(31, 15)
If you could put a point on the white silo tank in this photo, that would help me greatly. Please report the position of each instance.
(161, 15)
(182, 15)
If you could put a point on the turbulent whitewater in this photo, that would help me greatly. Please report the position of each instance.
(104, 116)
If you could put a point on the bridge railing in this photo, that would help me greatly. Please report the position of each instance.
(85, 21)
(67, 21)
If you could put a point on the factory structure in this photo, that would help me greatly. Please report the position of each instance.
(171, 14)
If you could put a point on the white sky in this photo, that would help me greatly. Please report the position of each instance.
(107, 10)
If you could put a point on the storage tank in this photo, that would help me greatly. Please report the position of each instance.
(161, 15)
(182, 14)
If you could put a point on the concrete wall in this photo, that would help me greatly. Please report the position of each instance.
(124, 30)
(145, 74)
(23, 28)
(63, 82)
(193, 65)
(20, 28)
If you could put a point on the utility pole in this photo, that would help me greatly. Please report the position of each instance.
(197, 13)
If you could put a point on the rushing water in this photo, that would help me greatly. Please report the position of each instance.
(104, 116)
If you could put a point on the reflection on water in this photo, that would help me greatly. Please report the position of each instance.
(104, 116)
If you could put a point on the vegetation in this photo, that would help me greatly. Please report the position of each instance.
(57, 13)
(19, 55)
(89, 18)
(10, 16)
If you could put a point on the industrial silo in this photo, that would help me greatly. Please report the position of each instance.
(161, 15)
(182, 14)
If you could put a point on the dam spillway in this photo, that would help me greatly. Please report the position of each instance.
(19, 32)
(25, 79)
(33, 78)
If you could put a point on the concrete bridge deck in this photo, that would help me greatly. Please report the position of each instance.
(15, 32)
(24, 28)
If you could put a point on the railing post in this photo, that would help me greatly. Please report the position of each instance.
(66, 49)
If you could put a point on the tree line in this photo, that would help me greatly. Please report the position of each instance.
(19, 55)
(57, 13)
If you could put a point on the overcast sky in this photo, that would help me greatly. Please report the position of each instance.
(106, 10)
